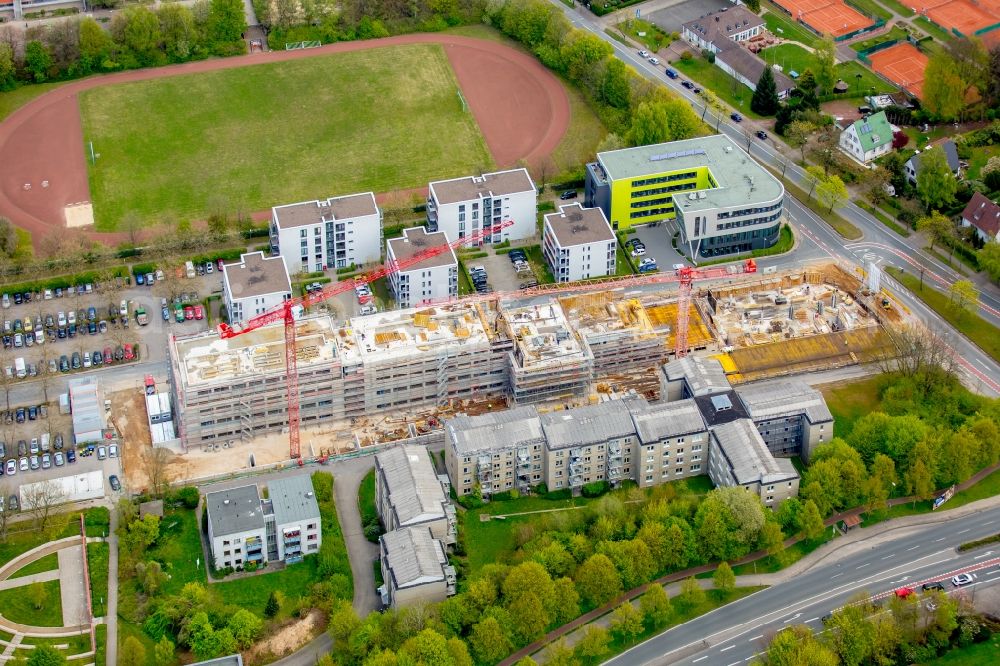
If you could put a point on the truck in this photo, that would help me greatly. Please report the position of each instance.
(189, 269)
(140, 316)
(20, 368)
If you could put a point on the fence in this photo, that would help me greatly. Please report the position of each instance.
(294, 46)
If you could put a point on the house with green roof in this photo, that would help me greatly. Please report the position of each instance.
(868, 138)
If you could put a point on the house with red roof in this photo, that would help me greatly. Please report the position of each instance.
(984, 215)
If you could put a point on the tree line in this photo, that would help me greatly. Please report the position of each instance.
(136, 37)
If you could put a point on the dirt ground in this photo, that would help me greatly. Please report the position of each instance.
(288, 638)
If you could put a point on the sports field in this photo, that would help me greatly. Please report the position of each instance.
(253, 137)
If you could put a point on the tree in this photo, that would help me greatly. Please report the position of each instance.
(876, 182)
(138, 30)
(245, 627)
(593, 645)
(163, 653)
(724, 579)
(626, 622)
(655, 606)
(806, 88)
(661, 120)
(39, 595)
(826, 63)
(920, 481)
(753, 5)
(8, 233)
(40, 499)
(528, 617)
(943, 89)
(811, 521)
(832, 192)
(226, 21)
(938, 227)
(37, 60)
(597, 580)
(489, 642)
(691, 595)
(797, 135)
(132, 652)
(989, 259)
(7, 69)
(44, 655)
(565, 601)
(936, 185)
(765, 96)
(964, 296)
(814, 176)
(272, 607)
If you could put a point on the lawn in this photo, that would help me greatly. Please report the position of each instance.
(932, 29)
(782, 25)
(75, 644)
(539, 266)
(366, 498)
(987, 652)
(726, 87)
(988, 487)
(17, 605)
(897, 7)
(126, 629)
(622, 264)
(871, 8)
(978, 158)
(97, 566)
(273, 133)
(786, 240)
(12, 100)
(47, 563)
(60, 526)
(652, 37)
(895, 34)
(849, 401)
(793, 57)
(883, 217)
(970, 324)
(834, 219)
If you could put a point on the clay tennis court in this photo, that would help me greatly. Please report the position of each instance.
(962, 16)
(45, 164)
(902, 64)
(826, 16)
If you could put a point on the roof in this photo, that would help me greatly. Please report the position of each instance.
(873, 131)
(589, 424)
(415, 492)
(784, 397)
(88, 412)
(231, 660)
(721, 408)
(576, 225)
(293, 499)
(748, 456)
(317, 211)
(718, 27)
(950, 155)
(703, 375)
(256, 275)
(495, 430)
(983, 214)
(235, 510)
(739, 179)
(750, 65)
(413, 556)
(415, 241)
(654, 423)
(499, 183)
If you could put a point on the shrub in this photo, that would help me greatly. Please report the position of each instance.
(686, 56)
(708, 55)
(189, 496)
(596, 489)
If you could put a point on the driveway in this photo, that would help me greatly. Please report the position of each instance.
(347, 477)
(657, 241)
(500, 272)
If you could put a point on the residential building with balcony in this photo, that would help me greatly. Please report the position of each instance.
(433, 279)
(332, 233)
(578, 243)
(739, 457)
(254, 285)
(722, 200)
(295, 524)
(408, 493)
(462, 206)
(415, 568)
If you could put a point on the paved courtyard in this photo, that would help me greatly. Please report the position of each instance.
(670, 19)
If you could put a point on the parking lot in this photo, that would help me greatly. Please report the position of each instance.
(500, 273)
(658, 245)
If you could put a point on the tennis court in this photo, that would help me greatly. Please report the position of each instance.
(961, 15)
(902, 64)
(826, 16)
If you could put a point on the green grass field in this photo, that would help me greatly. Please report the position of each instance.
(17, 606)
(895, 34)
(783, 25)
(987, 652)
(97, 566)
(794, 57)
(725, 86)
(254, 137)
(871, 8)
(47, 563)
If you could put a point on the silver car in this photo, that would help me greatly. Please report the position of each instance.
(23, 464)
(34, 462)
(46, 461)
(102, 453)
(58, 459)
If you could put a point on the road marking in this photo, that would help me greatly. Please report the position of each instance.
(735, 663)
(963, 531)
(864, 565)
(812, 620)
(986, 554)
(941, 539)
(756, 637)
(835, 575)
(889, 556)
(914, 548)
(989, 522)
(728, 648)
(700, 659)
(993, 573)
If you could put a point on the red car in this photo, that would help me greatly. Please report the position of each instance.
(129, 354)
(108, 356)
(904, 592)
(199, 312)
(188, 312)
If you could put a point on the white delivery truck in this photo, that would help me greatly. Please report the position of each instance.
(189, 267)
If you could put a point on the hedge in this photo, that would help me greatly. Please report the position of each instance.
(65, 281)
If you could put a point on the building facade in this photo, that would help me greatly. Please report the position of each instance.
(254, 285)
(414, 567)
(578, 243)
(462, 206)
(723, 201)
(433, 279)
(984, 216)
(738, 457)
(334, 233)
(912, 166)
(237, 534)
(867, 139)
(408, 493)
(295, 529)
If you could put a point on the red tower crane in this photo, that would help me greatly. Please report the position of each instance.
(687, 276)
(286, 313)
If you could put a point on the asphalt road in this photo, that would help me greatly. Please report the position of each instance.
(817, 241)
(909, 557)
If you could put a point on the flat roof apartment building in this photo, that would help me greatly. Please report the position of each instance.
(332, 233)
(408, 493)
(722, 200)
(414, 567)
(243, 528)
(254, 285)
(433, 279)
(578, 243)
(462, 206)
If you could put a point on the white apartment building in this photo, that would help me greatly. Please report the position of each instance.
(254, 285)
(434, 278)
(335, 233)
(578, 243)
(244, 528)
(463, 206)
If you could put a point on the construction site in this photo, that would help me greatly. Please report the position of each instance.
(398, 374)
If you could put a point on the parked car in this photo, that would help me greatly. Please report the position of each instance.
(22, 464)
(76, 361)
(961, 579)
(113, 451)
(97, 358)
(129, 353)
(736, 117)
(11, 467)
(935, 585)
(116, 485)
(165, 312)
(368, 310)
(188, 312)
(568, 194)
(140, 279)
(199, 312)
(70, 456)
(671, 73)
(59, 441)
(762, 135)
(102, 453)
(46, 460)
